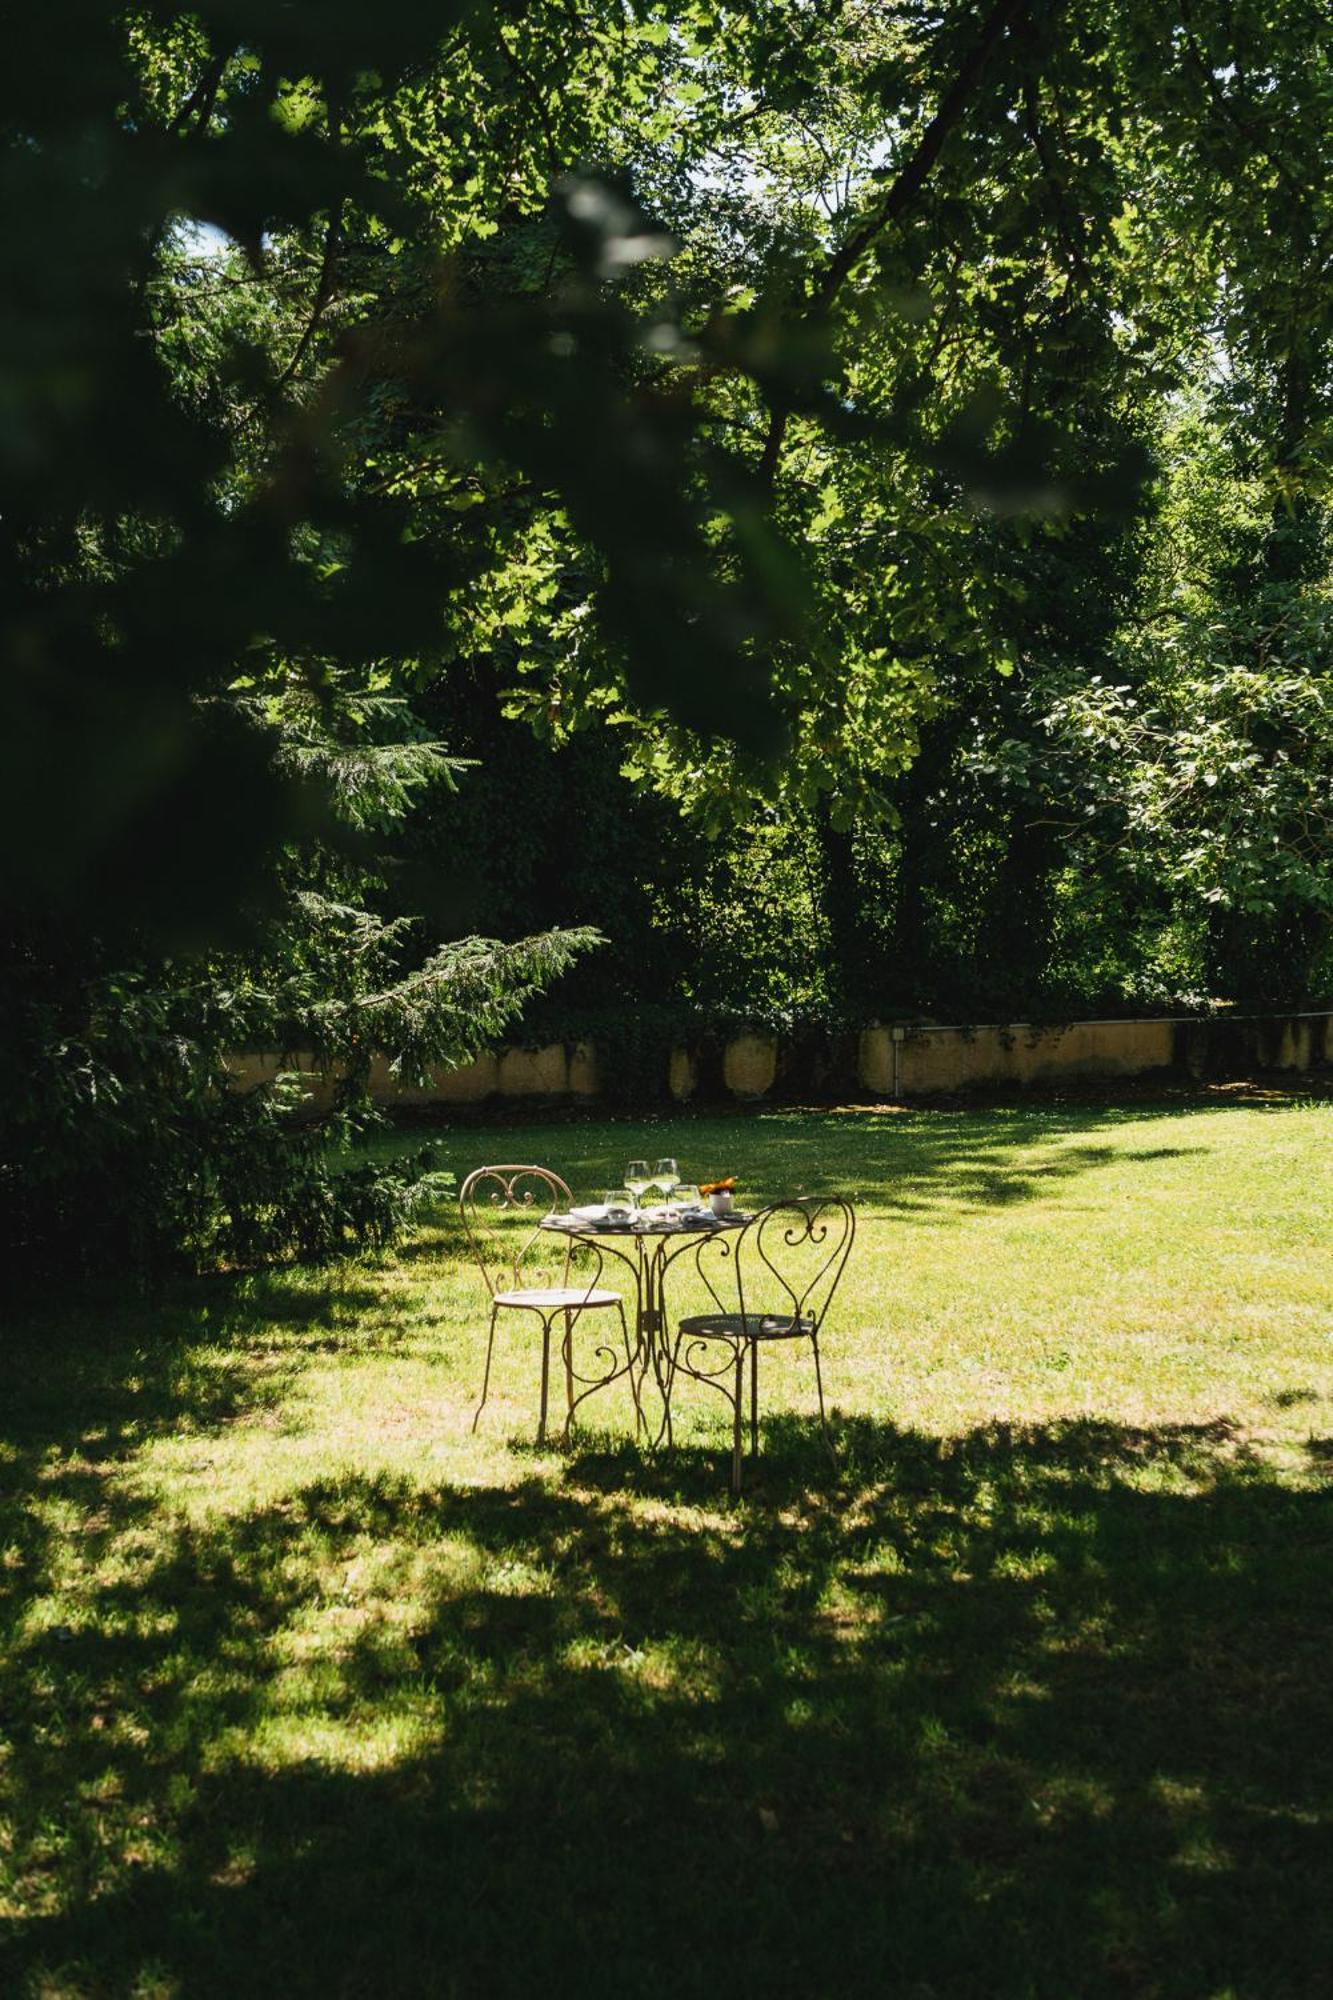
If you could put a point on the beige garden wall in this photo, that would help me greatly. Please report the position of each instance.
(555, 1071)
(925, 1060)
(889, 1062)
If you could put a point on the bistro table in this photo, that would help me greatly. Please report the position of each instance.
(657, 1240)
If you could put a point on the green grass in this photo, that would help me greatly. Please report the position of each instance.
(306, 1690)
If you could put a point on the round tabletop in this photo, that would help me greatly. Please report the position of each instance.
(649, 1225)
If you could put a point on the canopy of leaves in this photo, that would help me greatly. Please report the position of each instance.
(904, 431)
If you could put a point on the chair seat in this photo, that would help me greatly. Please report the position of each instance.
(543, 1299)
(749, 1326)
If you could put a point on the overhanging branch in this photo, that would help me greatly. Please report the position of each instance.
(905, 188)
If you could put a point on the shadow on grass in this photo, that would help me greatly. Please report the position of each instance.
(1040, 1711)
(90, 1374)
(931, 1166)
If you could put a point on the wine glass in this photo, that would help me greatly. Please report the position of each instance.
(638, 1179)
(666, 1177)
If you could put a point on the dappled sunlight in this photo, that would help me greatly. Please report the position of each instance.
(1051, 1635)
(1007, 1663)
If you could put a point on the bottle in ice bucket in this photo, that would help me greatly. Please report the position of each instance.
(720, 1194)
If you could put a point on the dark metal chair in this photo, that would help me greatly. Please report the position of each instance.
(502, 1210)
(784, 1267)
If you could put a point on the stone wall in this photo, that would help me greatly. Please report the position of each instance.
(552, 1072)
(922, 1061)
(884, 1062)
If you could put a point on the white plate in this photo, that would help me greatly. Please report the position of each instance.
(595, 1213)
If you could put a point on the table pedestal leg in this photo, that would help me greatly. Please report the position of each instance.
(652, 1335)
(661, 1337)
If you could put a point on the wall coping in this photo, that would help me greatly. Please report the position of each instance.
(1103, 1021)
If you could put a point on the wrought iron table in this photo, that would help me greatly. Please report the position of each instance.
(657, 1243)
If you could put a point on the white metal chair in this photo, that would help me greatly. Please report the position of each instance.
(784, 1267)
(502, 1209)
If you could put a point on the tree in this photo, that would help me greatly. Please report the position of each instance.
(213, 621)
(346, 352)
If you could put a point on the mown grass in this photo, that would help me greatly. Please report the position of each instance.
(307, 1690)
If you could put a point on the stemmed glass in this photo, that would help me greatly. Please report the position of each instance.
(637, 1180)
(666, 1177)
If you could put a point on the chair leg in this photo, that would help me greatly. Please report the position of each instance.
(486, 1378)
(819, 1385)
(568, 1350)
(754, 1399)
(546, 1378)
(738, 1409)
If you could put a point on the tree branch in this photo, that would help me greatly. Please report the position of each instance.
(197, 106)
(1295, 186)
(913, 176)
(904, 190)
(531, 89)
(1068, 222)
(201, 100)
(323, 292)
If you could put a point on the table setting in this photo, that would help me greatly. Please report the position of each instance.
(648, 1236)
(716, 1347)
(682, 1206)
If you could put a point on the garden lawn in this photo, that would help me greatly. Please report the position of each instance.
(305, 1689)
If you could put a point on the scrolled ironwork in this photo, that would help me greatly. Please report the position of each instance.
(492, 1193)
(702, 1344)
(722, 1246)
(823, 1226)
(612, 1372)
(802, 1221)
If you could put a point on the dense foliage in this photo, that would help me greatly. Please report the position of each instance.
(1060, 735)
(213, 622)
(856, 475)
